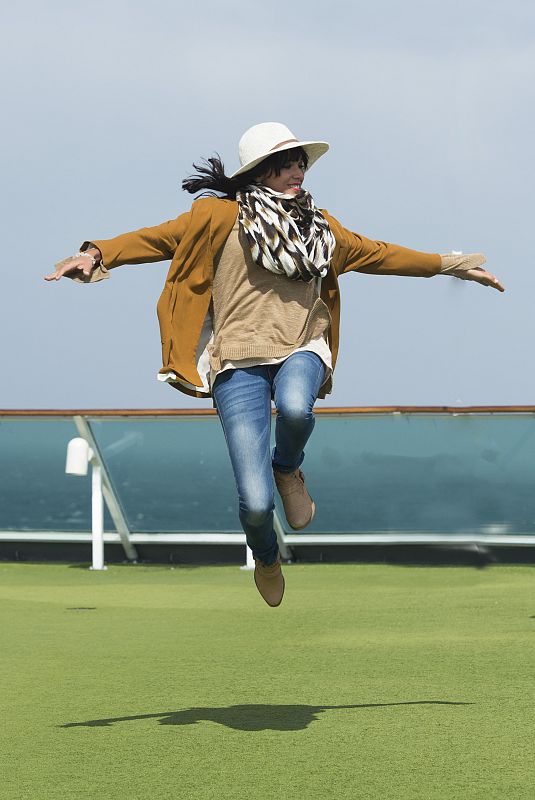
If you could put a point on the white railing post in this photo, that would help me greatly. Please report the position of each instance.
(97, 519)
(116, 512)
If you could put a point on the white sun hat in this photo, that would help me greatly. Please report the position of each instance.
(267, 138)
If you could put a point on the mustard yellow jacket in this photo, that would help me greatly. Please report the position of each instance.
(194, 239)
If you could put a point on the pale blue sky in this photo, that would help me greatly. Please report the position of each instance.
(429, 109)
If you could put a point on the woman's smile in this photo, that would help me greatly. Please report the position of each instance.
(289, 180)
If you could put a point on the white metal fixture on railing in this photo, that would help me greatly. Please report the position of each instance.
(79, 456)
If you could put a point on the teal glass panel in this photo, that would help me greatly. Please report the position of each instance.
(170, 474)
(422, 473)
(406, 473)
(35, 492)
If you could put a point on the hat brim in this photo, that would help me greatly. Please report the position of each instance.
(314, 150)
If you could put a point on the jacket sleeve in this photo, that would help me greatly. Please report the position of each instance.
(142, 246)
(357, 253)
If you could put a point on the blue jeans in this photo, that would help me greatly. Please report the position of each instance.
(243, 400)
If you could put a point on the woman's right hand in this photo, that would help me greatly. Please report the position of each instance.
(82, 265)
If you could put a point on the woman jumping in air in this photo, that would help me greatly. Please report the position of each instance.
(250, 313)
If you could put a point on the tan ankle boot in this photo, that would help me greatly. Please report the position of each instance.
(269, 582)
(298, 505)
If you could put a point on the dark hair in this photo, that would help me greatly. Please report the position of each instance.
(211, 178)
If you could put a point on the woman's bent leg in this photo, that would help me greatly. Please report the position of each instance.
(243, 400)
(296, 387)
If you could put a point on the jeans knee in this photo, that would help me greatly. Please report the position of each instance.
(255, 513)
(296, 413)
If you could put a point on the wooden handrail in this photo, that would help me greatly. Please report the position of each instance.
(204, 412)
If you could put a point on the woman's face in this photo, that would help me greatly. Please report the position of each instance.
(288, 182)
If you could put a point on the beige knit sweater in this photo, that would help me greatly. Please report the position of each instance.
(258, 314)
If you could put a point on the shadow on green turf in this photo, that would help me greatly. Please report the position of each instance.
(252, 717)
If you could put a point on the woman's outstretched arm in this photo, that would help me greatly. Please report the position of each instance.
(357, 253)
(98, 256)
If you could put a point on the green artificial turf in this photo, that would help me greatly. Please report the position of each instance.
(370, 681)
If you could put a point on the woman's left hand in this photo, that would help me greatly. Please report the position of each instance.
(467, 267)
(483, 277)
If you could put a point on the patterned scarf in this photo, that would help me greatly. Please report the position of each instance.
(287, 235)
